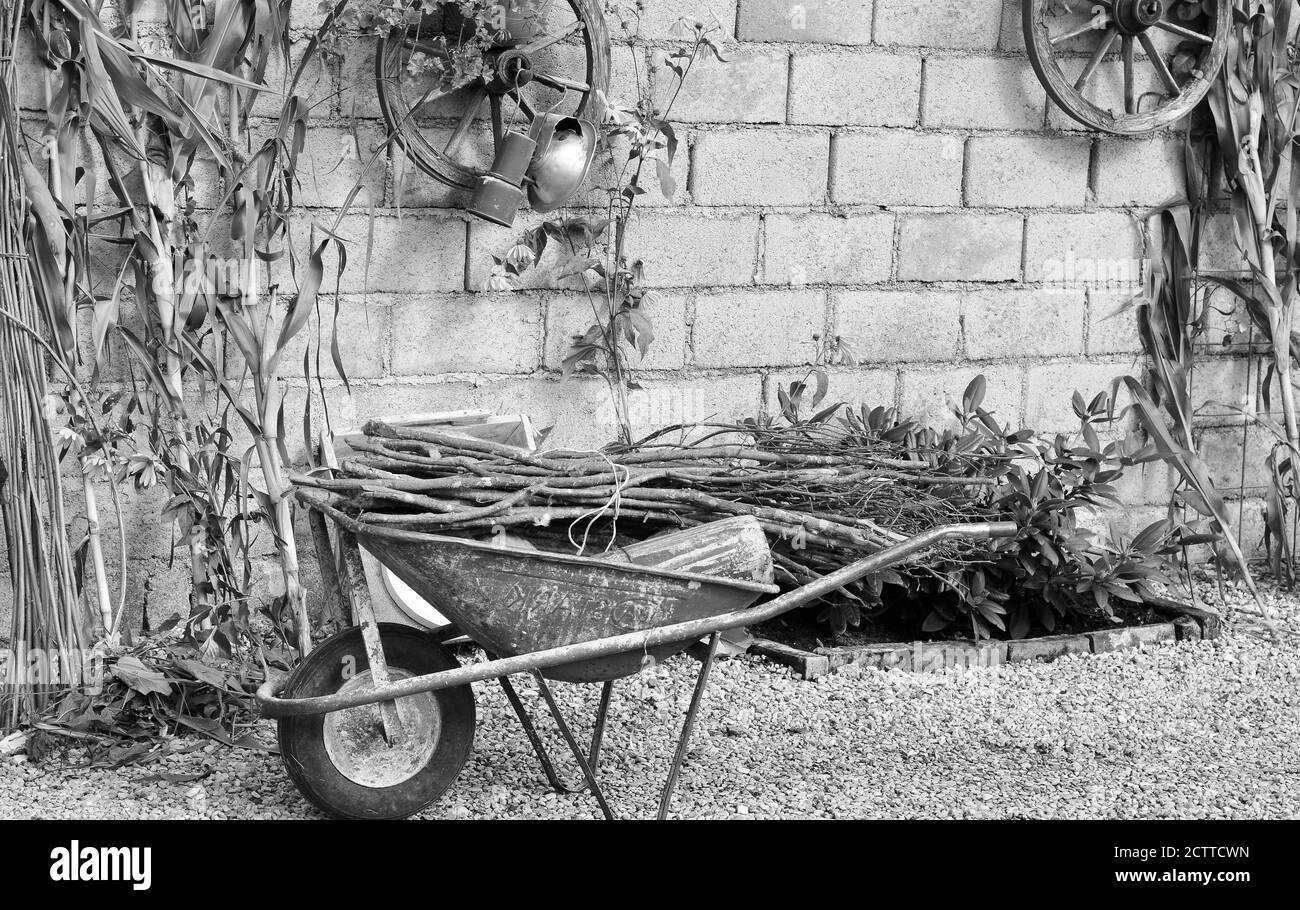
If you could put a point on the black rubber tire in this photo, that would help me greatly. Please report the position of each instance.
(302, 739)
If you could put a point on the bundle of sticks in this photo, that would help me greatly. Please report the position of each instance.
(824, 501)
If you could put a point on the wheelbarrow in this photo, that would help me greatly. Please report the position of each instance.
(378, 720)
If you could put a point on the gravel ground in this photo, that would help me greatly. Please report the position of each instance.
(1192, 730)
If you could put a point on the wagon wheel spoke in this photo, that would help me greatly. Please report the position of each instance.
(425, 47)
(1184, 32)
(517, 96)
(1107, 42)
(462, 128)
(561, 83)
(1081, 30)
(547, 40)
(1130, 96)
(1153, 54)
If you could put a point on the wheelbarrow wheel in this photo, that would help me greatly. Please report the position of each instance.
(342, 761)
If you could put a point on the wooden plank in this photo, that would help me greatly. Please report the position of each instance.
(359, 592)
(1210, 621)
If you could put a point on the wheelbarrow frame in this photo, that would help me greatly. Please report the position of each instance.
(385, 692)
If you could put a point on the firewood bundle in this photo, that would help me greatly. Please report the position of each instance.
(824, 500)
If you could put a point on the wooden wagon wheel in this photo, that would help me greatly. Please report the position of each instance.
(552, 56)
(1093, 56)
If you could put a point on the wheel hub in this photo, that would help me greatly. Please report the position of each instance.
(1133, 17)
(512, 70)
(355, 743)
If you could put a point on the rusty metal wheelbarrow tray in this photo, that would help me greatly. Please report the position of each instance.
(517, 602)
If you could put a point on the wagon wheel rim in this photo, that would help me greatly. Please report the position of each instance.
(520, 81)
(1070, 51)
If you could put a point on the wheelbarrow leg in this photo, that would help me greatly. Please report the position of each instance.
(539, 748)
(581, 759)
(598, 732)
(666, 798)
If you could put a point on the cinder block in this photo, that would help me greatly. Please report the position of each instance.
(568, 315)
(357, 68)
(939, 23)
(822, 248)
(611, 169)
(1113, 323)
(861, 88)
(307, 14)
(699, 399)
(1146, 484)
(1122, 522)
(31, 87)
(417, 189)
(1014, 323)
(851, 386)
(689, 247)
(896, 326)
(898, 167)
(761, 167)
(1139, 172)
(1219, 250)
(750, 87)
(334, 160)
(467, 332)
(727, 333)
(408, 255)
(1106, 87)
(576, 410)
(826, 21)
(672, 19)
(692, 248)
(959, 247)
(316, 88)
(929, 394)
(1012, 37)
(1221, 450)
(361, 327)
(1051, 387)
(1027, 172)
(1084, 250)
(982, 93)
(1224, 387)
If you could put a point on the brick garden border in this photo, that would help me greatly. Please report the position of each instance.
(1187, 623)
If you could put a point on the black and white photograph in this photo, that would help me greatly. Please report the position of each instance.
(462, 411)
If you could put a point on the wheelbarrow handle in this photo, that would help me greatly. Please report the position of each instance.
(631, 641)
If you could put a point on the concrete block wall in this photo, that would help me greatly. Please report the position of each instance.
(886, 172)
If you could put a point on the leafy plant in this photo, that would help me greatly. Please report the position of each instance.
(1255, 105)
(1054, 569)
(198, 282)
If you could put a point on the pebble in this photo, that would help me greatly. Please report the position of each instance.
(1187, 730)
